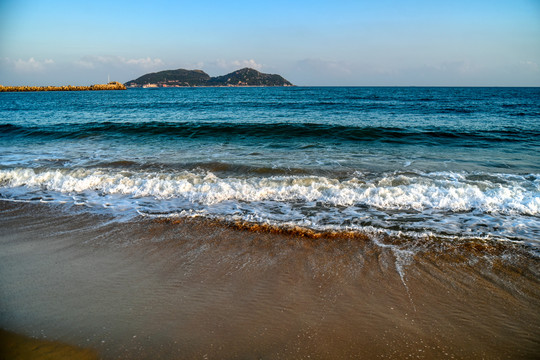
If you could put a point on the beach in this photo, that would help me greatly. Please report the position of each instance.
(275, 180)
(195, 289)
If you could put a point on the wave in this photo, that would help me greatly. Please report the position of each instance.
(446, 203)
(398, 191)
(284, 131)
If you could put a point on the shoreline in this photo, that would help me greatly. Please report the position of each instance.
(110, 86)
(150, 288)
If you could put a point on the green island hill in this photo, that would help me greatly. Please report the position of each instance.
(190, 78)
(113, 85)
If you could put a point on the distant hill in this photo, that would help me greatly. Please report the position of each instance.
(248, 77)
(183, 78)
(168, 78)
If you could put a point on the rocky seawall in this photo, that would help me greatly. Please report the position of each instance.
(113, 85)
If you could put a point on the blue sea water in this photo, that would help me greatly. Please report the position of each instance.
(449, 162)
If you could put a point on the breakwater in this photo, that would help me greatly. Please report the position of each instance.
(113, 85)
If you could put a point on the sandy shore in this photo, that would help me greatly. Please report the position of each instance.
(193, 289)
(18, 347)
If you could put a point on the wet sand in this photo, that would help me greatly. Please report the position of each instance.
(194, 289)
(18, 347)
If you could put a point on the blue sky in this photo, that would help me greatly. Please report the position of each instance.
(440, 43)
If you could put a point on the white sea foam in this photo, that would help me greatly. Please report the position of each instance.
(447, 191)
(454, 202)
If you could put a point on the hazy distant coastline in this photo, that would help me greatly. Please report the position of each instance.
(113, 85)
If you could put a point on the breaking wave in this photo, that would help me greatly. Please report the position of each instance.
(446, 203)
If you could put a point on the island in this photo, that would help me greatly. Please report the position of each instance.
(113, 85)
(191, 78)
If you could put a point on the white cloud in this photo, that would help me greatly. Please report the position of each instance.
(236, 64)
(30, 65)
(247, 63)
(197, 65)
(91, 62)
(87, 64)
(143, 62)
(530, 65)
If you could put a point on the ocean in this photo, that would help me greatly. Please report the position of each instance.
(295, 222)
(447, 162)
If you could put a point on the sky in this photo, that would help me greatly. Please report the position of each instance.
(309, 42)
